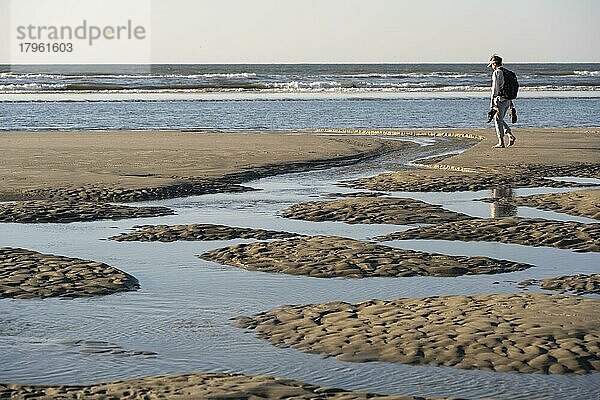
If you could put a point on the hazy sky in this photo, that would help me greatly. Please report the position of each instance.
(376, 30)
(308, 31)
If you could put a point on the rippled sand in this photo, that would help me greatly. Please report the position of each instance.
(523, 333)
(193, 386)
(330, 256)
(196, 232)
(526, 231)
(373, 210)
(578, 284)
(584, 203)
(26, 274)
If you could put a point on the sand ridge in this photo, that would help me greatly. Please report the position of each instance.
(583, 203)
(200, 386)
(578, 284)
(445, 180)
(145, 165)
(65, 211)
(538, 153)
(373, 210)
(192, 232)
(526, 231)
(26, 274)
(525, 333)
(330, 257)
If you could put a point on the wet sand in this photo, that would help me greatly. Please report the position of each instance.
(331, 257)
(70, 172)
(441, 179)
(507, 333)
(209, 386)
(26, 274)
(537, 153)
(373, 210)
(193, 232)
(583, 203)
(523, 333)
(578, 284)
(545, 147)
(134, 166)
(65, 211)
(526, 231)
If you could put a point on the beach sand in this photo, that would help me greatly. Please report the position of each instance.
(537, 146)
(64, 175)
(107, 165)
(196, 232)
(207, 386)
(40, 211)
(583, 203)
(99, 167)
(578, 284)
(538, 153)
(526, 231)
(373, 210)
(26, 274)
(524, 333)
(331, 257)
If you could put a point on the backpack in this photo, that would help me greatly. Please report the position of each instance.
(511, 85)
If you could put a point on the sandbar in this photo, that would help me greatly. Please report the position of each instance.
(578, 284)
(373, 210)
(209, 386)
(196, 232)
(26, 274)
(526, 231)
(524, 333)
(331, 257)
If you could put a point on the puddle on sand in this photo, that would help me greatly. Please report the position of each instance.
(182, 312)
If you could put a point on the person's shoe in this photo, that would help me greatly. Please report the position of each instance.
(498, 146)
(512, 112)
(511, 140)
(490, 115)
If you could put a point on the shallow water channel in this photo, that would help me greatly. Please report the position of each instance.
(179, 321)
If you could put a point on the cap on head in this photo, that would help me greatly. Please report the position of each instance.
(495, 58)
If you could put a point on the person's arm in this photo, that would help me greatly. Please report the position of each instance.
(497, 83)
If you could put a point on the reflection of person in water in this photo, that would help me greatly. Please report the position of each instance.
(502, 205)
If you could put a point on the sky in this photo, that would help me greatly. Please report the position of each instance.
(365, 31)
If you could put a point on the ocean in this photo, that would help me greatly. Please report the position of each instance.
(278, 97)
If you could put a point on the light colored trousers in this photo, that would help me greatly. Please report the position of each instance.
(502, 127)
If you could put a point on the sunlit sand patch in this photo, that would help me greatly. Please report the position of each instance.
(193, 386)
(483, 178)
(578, 284)
(526, 333)
(330, 256)
(63, 211)
(172, 233)
(26, 274)
(525, 231)
(374, 210)
(583, 203)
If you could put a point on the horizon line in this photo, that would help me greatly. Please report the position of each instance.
(311, 63)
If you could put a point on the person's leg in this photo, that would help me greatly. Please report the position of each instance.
(513, 118)
(508, 132)
(499, 121)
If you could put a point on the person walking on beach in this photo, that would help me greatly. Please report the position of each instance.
(500, 104)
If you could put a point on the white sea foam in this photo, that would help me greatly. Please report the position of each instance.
(30, 87)
(13, 75)
(587, 73)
